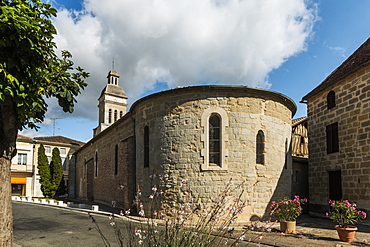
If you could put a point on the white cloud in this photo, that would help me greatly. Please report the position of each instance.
(182, 42)
(338, 50)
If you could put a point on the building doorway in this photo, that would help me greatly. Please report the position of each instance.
(18, 189)
(335, 185)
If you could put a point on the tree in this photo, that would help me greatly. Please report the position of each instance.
(30, 70)
(62, 189)
(56, 171)
(44, 171)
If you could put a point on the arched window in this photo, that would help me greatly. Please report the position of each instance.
(110, 116)
(146, 146)
(96, 163)
(116, 160)
(214, 139)
(214, 121)
(115, 115)
(260, 147)
(331, 99)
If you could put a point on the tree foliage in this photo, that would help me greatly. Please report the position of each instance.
(50, 174)
(56, 171)
(29, 66)
(44, 171)
(30, 71)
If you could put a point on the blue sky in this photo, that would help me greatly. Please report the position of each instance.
(286, 46)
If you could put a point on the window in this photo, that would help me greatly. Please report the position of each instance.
(47, 149)
(110, 116)
(96, 163)
(286, 155)
(64, 164)
(260, 147)
(331, 99)
(85, 169)
(115, 115)
(22, 159)
(116, 160)
(62, 151)
(146, 146)
(214, 140)
(214, 137)
(332, 140)
(120, 114)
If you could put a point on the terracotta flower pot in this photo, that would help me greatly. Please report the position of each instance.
(346, 234)
(287, 226)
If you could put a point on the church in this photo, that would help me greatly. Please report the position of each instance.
(204, 135)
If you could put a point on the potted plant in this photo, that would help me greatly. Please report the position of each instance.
(345, 214)
(287, 210)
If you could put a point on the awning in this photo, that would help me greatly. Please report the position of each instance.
(18, 180)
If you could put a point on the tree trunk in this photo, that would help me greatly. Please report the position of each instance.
(8, 137)
(6, 215)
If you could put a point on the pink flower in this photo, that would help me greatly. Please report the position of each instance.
(363, 214)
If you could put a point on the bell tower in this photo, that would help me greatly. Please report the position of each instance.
(112, 103)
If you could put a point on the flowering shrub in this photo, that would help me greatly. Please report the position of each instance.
(345, 213)
(287, 209)
(189, 222)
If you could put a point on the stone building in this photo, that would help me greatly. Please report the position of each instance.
(24, 172)
(300, 158)
(339, 132)
(204, 135)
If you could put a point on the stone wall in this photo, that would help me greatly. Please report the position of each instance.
(174, 121)
(177, 148)
(106, 186)
(352, 112)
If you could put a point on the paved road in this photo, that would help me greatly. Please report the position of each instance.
(40, 225)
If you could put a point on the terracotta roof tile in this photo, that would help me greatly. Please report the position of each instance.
(298, 121)
(23, 137)
(59, 139)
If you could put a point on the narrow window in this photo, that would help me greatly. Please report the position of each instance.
(286, 154)
(115, 115)
(332, 140)
(260, 147)
(85, 170)
(96, 163)
(214, 122)
(146, 146)
(331, 99)
(214, 140)
(110, 116)
(120, 114)
(116, 160)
